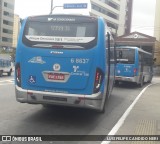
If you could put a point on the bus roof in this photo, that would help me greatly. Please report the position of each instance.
(74, 15)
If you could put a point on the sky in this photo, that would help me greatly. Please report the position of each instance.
(142, 19)
(35, 7)
(143, 16)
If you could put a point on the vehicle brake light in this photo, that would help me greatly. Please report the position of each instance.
(18, 74)
(135, 71)
(98, 80)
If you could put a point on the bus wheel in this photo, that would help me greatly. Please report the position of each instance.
(150, 80)
(116, 83)
(9, 73)
(142, 82)
(104, 105)
(1, 73)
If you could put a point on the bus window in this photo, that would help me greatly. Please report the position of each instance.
(82, 34)
(125, 56)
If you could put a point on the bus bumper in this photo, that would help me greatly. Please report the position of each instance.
(127, 79)
(94, 101)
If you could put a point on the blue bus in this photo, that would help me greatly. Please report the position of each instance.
(133, 65)
(64, 60)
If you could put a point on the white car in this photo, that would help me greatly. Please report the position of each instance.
(6, 65)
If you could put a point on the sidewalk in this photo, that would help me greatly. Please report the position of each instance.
(144, 118)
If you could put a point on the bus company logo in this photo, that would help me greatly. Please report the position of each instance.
(56, 67)
(37, 60)
(56, 52)
(61, 19)
(51, 19)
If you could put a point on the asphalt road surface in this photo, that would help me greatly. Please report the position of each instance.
(27, 119)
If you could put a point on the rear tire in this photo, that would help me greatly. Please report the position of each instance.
(1, 73)
(9, 73)
(150, 79)
(142, 82)
(116, 83)
(104, 106)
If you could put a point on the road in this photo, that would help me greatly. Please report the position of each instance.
(26, 119)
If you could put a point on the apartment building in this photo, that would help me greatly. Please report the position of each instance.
(6, 23)
(16, 29)
(157, 33)
(117, 13)
(157, 21)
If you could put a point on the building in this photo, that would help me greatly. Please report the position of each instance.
(117, 13)
(157, 21)
(157, 32)
(143, 41)
(6, 23)
(16, 29)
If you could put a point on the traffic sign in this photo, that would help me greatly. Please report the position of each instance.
(75, 6)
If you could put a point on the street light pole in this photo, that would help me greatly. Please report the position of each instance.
(51, 6)
(54, 8)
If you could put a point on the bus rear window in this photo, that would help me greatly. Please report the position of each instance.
(126, 56)
(47, 34)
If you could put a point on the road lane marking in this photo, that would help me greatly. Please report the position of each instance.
(6, 82)
(10, 80)
(120, 122)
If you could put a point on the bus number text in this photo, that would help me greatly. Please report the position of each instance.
(79, 60)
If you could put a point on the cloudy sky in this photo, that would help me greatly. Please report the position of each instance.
(36, 7)
(142, 19)
(143, 16)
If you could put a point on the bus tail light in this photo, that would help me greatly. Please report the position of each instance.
(135, 71)
(18, 74)
(98, 80)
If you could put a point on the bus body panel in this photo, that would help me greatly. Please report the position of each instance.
(62, 76)
(125, 70)
(77, 71)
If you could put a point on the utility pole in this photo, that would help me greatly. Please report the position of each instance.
(51, 6)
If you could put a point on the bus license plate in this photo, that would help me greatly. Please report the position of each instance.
(55, 76)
